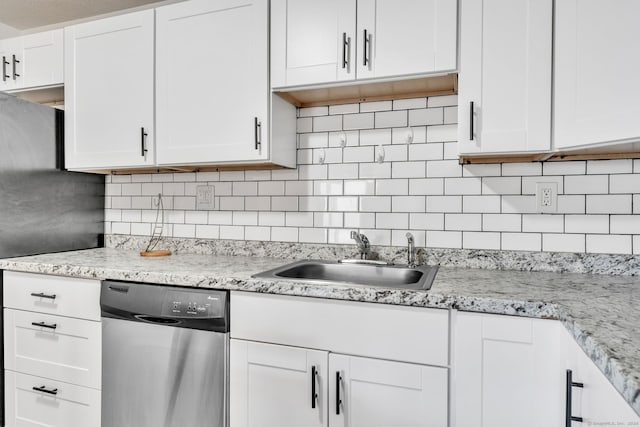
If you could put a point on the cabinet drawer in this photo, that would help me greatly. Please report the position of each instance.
(390, 332)
(71, 352)
(52, 294)
(71, 406)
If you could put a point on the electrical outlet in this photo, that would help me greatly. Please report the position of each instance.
(205, 197)
(547, 197)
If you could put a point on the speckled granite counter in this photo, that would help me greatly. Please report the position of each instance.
(600, 311)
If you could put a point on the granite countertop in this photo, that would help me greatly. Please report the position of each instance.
(599, 311)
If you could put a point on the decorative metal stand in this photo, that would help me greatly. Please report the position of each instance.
(156, 234)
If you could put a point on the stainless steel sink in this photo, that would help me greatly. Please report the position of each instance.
(356, 273)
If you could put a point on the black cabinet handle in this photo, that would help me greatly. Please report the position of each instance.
(43, 295)
(569, 391)
(471, 121)
(45, 325)
(345, 45)
(338, 384)
(43, 389)
(15, 61)
(257, 132)
(366, 46)
(314, 395)
(143, 142)
(4, 69)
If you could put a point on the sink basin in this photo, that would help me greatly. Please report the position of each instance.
(355, 273)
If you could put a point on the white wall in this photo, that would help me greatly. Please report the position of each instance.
(418, 187)
(7, 31)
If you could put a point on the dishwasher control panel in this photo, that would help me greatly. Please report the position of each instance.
(193, 305)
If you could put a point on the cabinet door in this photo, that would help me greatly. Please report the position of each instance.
(41, 60)
(212, 82)
(69, 406)
(376, 393)
(271, 385)
(598, 402)
(8, 72)
(507, 371)
(312, 41)
(406, 37)
(109, 92)
(596, 72)
(505, 71)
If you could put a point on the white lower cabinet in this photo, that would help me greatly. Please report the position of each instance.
(37, 401)
(279, 386)
(315, 363)
(52, 351)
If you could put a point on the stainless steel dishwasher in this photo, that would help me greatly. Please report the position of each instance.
(165, 354)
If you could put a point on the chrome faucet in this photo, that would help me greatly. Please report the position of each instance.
(362, 242)
(411, 250)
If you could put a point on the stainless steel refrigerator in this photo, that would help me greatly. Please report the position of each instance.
(43, 208)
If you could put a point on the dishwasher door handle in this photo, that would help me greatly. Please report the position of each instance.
(157, 320)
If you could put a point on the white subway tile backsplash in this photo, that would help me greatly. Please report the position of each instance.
(426, 116)
(390, 119)
(481, 204)
(443, 168)
(609, 204)
(257, 233)
(392, 220)
(487, 169)
(359, 220)
(357, 121)
(540, 223)
(327, 123)
(375, 204)
(624, 224)
(426, 186)
(426, 221)
(419, 186)
(502, 185)
(434, 151)
(442, 133)
(444, 239)
(521, 242)
(563, 242)
(444, 204)
(626, 183)
(502, 222)
(609, 166)
(476, 240)
(366, 107)
(375, 170)
(313, 111)
(463, 222)
(586, 224)
(465, 186)
(609, 244)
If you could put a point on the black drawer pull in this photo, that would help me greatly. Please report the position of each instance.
(43, 295)
(569, 392)
(338, 399)
(314, 395)
(43, 389)
(45, 325)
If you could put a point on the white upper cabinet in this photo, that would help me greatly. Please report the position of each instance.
(212, 82)
(404, 37)
(597, 72)
(505, 76)
(322, 42)
(32, 61)
(109, 92)
(312, 41)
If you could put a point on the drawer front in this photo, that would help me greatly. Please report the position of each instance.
(62, 348)
(71, 406)
(409, 334)
(52, 294)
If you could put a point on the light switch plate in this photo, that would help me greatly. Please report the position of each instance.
(205, 197)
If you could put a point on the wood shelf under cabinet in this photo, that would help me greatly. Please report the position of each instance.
(371, 91)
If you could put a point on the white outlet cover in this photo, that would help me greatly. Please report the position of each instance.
(548, 191)
(205, 197)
